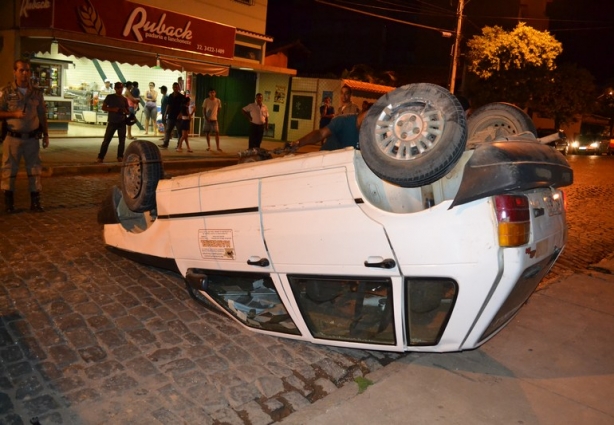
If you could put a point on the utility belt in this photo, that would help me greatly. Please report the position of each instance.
(33, 134)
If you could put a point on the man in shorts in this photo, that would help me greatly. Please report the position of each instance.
(211, 107)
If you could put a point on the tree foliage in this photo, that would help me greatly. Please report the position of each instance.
(523, 48)
(569, 91)
(363, 72)
(605, 105)
(511, 65)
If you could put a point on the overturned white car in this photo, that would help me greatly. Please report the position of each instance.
(429, 238)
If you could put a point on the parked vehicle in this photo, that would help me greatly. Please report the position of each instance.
(555, 139)
(429, 238)
(590, 145)
(593, 138)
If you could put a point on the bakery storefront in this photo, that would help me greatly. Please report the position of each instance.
(75, 45)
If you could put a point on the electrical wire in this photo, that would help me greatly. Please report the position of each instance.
(443, 31)
(427, 9)
(406, 9)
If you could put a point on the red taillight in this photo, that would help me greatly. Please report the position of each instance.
(513, 216)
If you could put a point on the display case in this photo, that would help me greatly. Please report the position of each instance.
(59, 110)
(81, 102)
(87, 106)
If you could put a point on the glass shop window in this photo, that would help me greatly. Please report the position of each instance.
(346, 309)
(248, 52)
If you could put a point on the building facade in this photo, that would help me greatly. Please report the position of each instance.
(74, 45)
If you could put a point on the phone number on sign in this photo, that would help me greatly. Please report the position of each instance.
(209, 49)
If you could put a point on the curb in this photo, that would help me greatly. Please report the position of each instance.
(71, 170)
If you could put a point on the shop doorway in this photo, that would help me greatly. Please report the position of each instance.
(235, 91)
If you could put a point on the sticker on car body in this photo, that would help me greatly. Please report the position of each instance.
(216, 244)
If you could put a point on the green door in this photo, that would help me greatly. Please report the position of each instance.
(235, 92)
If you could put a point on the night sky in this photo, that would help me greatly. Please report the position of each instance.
(337, 39)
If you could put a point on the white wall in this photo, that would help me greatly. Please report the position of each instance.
(269, 85)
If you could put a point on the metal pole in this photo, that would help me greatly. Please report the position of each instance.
(459, 24)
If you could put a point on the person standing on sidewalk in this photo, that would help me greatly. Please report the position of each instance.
(258, 116)
(173, 109)
(163, 105)
(347, 106)
(327, 112)
(116, 105)
(184, 124)
(23, 107)
(132, 103)
(211, 106)
(151, 109)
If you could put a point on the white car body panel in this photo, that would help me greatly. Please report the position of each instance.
(327, 214)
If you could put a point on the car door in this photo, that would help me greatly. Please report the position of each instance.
(336, 263)
(312, 224)
(222, 231)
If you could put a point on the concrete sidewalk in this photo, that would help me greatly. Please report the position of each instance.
(74, 155)
(553, 364)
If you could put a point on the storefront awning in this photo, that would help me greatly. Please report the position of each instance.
(32, 45)
(178, 64)
(92, 47)
(117, 54)
(111, 54)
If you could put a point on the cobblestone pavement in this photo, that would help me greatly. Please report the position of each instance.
(590, 202)
(87, 337)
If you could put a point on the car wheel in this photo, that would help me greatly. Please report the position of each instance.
(496, 120)
(141, 171)
(413, 135)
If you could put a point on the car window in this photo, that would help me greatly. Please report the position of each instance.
(346, 309)
(252, 299)
(430, 302)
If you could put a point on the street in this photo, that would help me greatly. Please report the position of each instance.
(589, 201)
(88, 337)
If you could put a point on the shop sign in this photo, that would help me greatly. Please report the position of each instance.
(35, 13)
(127, 21)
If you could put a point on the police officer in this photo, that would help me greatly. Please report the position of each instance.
(23, 108)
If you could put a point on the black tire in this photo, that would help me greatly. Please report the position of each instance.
(496, 120)
(141, 171)
(414, 135)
